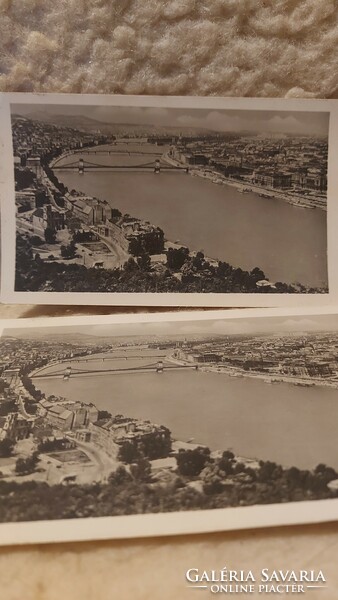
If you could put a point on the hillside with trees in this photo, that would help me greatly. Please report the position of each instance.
(199, 482)
(182, 273)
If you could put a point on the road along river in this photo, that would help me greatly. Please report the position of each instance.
(245, 230)
(281, 422)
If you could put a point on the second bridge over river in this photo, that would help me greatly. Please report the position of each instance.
(65, 373)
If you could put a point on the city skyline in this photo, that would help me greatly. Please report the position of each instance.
(251, 326)
(284, 122)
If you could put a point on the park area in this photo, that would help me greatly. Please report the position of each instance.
(70, 456)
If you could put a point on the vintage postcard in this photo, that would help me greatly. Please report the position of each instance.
(162, 201)
(141, 425)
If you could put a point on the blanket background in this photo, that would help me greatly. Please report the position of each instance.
(225, 47)
(208, 47)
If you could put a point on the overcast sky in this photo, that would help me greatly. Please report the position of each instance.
(249, 326)
(312, 123)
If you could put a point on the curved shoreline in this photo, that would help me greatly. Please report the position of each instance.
(231, 183)
(268, 378)
(241, 448)
(245, 187)
(292, 199)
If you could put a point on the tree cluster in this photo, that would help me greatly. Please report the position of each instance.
(3, 386)
(133, 490)
(197, 275)
(54, 445)
(25, 466)
(24, 178)
(81, 236)
(50, 174)
(7, 406)
(68, 251)
(103, 414)
(176, 257)
(6, 448)
(30, 387)
(31, 406)
(190, 463)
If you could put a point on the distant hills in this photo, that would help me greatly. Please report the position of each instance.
(89, 125)
(78, 338)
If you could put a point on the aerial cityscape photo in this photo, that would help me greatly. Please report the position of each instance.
(131, 199)
(155, 417)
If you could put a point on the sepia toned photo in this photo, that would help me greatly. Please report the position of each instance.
(176, 202)
(229, 418)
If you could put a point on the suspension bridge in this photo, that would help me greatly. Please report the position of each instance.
(82, 165)
(69, 371)
(89, 358)
(112, 152)
(120, 355)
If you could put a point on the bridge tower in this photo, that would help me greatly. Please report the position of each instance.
(157, 168)
(81, 165)
(67, 373)
(159, 366)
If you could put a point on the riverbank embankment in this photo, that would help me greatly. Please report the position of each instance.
(245, 187)
(268, 378)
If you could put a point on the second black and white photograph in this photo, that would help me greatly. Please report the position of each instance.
(169, 201)
(227, 417)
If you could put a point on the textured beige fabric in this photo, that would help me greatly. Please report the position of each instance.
(225, 47)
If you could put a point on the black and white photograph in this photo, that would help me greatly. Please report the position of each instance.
(169, 203)
(193, 422)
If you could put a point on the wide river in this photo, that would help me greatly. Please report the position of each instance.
(281, 422)
(245, 230)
